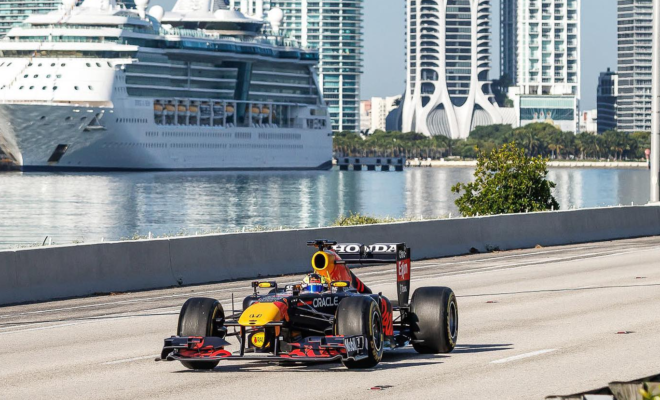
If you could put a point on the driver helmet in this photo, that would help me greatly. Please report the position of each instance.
(314, 283)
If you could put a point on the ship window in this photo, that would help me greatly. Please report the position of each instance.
(63, 65)
(47, 76)
(76, 87)
(9, 64)
(1, 64)
(42, 118)
(31, 87)
(25, 76)
(52, 65)
(84, 118)
(30, 64)
(39, 65)
(21, 88)
(67, 119)
(88, 65)
(43, 88)
(58, 76)
(109, 65)
(90, 88)
(36, 76)
(98, 65)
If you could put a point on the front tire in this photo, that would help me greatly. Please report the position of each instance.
(434, 320)
(198, 318)
(360, 316)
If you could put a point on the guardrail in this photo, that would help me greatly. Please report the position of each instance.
(40, 274)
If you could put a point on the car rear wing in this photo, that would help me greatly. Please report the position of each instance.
(379, 253)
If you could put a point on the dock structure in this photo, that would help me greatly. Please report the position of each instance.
(371, 163)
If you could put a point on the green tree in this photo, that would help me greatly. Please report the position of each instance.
(506, 181)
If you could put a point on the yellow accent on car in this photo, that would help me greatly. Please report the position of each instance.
(339, 284)
(324, 263)
(260, 314)
(265, 285)
(258, 339)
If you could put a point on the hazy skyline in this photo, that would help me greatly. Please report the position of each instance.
(384, 50)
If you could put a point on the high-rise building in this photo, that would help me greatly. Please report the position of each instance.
(608, 89)
(335, 28)
(509, 39)
(547, 52)
(448, 60)
(381, 107)
(635, 28)
(14, 12)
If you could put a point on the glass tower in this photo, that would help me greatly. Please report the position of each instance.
(14, 12)
(635, 31)
(548, 47)
(334, 27)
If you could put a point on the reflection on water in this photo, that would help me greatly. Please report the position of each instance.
(88, 207)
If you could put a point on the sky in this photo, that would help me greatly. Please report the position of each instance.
(384, 57)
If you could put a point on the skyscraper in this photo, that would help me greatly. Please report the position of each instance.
(608, 89)
(14, 12)
(546, 47)
(448, 60)
(509, 39)
(335, 28)
(635, 27)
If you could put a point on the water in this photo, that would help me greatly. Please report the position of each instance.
(88, 207)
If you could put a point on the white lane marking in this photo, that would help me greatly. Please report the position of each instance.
(226, 306)
(507, 267)
(146, 299)
(522, 356)
(491, 259)
(126, 360)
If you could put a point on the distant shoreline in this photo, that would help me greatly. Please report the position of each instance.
(551, 164)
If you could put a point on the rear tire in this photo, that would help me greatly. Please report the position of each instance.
(197, 318)
(434, 320)
(360, 316)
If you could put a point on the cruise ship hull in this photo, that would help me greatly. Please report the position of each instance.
(54, 137)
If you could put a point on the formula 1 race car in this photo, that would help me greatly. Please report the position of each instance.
(331, 315)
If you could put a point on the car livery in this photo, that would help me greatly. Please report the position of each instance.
(347, 323)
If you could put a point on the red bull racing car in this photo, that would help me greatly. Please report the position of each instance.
(331, 315)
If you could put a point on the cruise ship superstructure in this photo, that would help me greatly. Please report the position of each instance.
(202, 87)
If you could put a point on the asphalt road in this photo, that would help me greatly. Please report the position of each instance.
(532, 323)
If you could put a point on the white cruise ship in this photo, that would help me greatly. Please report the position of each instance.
(203, 87)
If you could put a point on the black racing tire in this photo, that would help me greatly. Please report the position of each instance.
(434, 320)
(360, 315)
(198, 318)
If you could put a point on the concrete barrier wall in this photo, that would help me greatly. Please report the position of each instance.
(78, 270)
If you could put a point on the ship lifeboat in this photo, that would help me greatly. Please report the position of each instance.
(230, 110)
(169, 108)
(182, 108)
(265, 110)
(158, 108)
(193, 109)
(256, 110)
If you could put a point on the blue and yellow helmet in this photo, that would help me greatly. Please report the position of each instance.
(314, 283)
